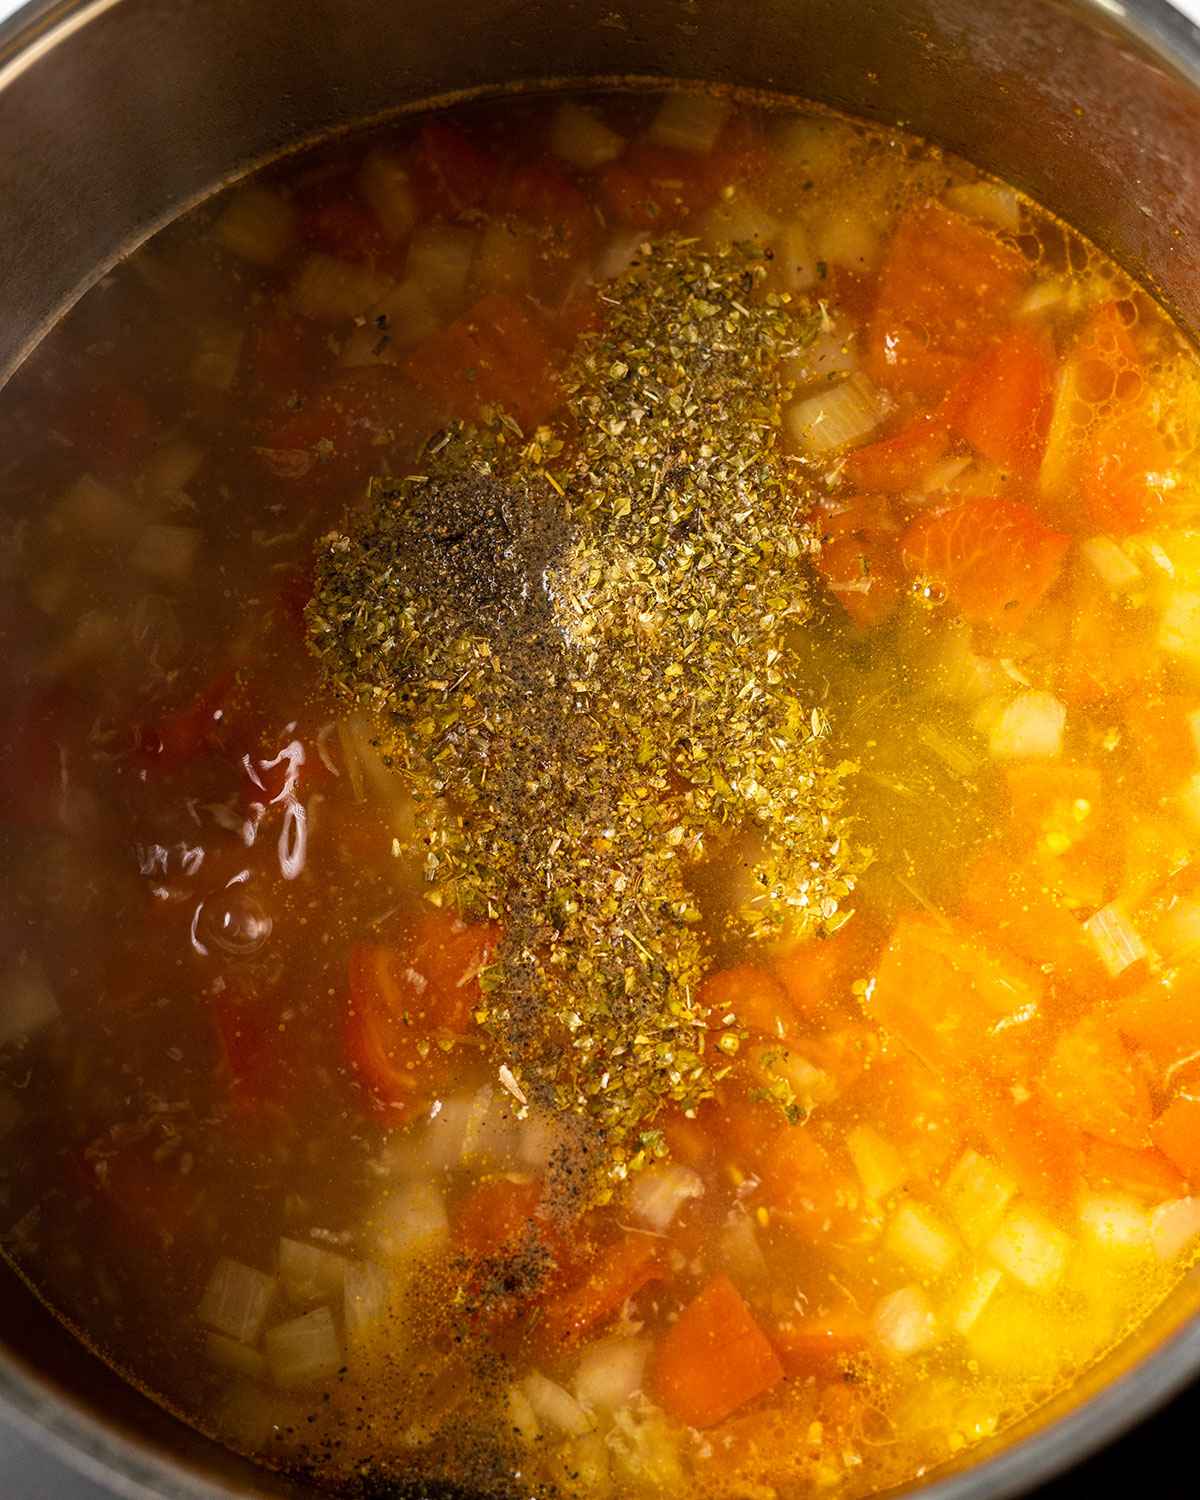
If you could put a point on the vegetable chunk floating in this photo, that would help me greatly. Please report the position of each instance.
(714, 1359)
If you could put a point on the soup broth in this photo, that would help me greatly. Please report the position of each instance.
(600, 806)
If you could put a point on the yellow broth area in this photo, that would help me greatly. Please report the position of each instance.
(798, 1085)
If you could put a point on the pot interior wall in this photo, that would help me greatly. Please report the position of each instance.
(121, 114)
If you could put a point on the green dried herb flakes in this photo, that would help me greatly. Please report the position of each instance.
(576, 649)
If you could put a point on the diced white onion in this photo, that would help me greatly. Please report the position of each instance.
(366, 1288)
(739, 219)
(846, 237)
(689, 122)
(833, 352)
(976, 1194)
(217, 358)
(329, 290)
(610, 1373)
(1115, 1221)
(93, 511)
(1175, 1227)
(409, 1223)
(1179, 626)
(968, 1303)
(555, 1407)
(904, 1322)
(941, 475)
(1030, 1248)
(880, 1167)
(1111, 564)
(657, 1194)
(1115, 938)
(837, 417)
(310, 1273)
(237, 1300)
(386, 185)
(580, 137)
(439, 263)
(27, 1003)
(304, 1350)
(257, 225)
(921, 1240)
(166, 553)
(238, 1358)
(521, 1416)
(992, 202)
(1030, 727)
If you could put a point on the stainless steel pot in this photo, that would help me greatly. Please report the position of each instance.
(117, 114)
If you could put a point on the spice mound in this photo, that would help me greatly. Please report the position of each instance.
(575, 648)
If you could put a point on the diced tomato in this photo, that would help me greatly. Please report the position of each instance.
(343, 227)
(859, 560)
(753, 995)
(948, 285)
(1146, 1174)
(1176, 1133)
(899, 462)
(497, 353)
(199, 727)
(1006, 899)
(1005, 401)
(409, 1005)
(1126, 470)
(337, 432)
(1162, 1019)
(494, 1213)
(819, 1344)
(655, 187)
(542, 194)
(614, 1275)
(713, 1359)
(943, 992)
(1032, 1141)
(1093, 1082)
(805, 1186)
(993, 559)
(456, 173)
(817, 972)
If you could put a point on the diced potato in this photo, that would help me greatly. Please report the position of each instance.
(555, 1407)
(387, 188)
(366, 1289)
(793, 261)
(1030, 1248)
(234, 1356)
(1111, 564)
(918, 1237)
(1175, 1227)
(166, 553)
(1030, 727)
(835, 418)
(1116, 1222)
(310, 1273)
(505, 258)
(738, 1251)
(329, 290)
(689, 122)
(169, 470)
(1179, 626)
(738, 219)
(237, 1300)
(490, 1136)
(880, 1167)
(846, 237)
(93, 511)
(410, 1223)
(971, 1297)
(439, 264)
(580, 137)
(610, 1373)
(304, 1350)
(976, 1194)
(258, 225)
(905, 1323)
(820, 149)
(1009, 1337)
(993, 202)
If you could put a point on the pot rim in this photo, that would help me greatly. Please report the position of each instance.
(139, 1470)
